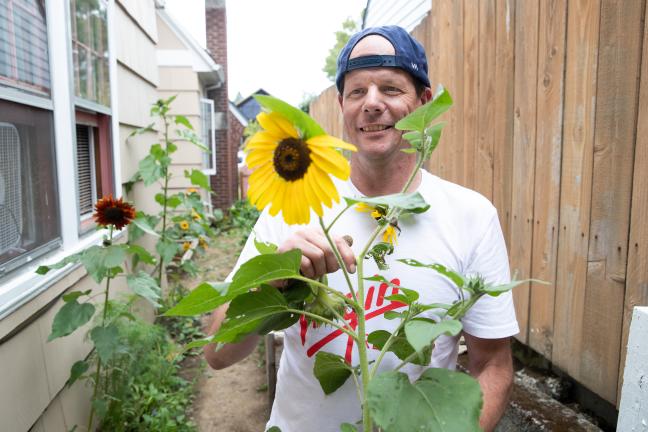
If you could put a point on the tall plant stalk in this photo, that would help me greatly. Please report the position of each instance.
(165, 190)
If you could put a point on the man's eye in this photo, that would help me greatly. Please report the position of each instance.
(390, 89)
(357, 91)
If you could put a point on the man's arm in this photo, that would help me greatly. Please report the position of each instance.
(231, 353)
(490, 362)
(317, 259)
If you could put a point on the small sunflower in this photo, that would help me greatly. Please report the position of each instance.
(390, 235)
(115, 212)
(202, 242)
(184, 225)
(186, 246)
(192, 190)
(195, 215)
(376, 212)
(292, 173)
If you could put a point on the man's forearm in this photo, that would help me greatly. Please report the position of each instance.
(496, 387)
(227, 354)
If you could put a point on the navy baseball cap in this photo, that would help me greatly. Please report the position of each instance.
(410, 55)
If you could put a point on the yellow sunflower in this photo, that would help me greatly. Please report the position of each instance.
(292, 173)
(390, 235)
(186, 246)
(184, 225)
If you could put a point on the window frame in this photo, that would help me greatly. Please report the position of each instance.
(212, 135)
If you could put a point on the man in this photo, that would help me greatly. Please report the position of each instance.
(382, 76)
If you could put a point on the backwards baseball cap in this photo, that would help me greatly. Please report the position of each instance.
(410, 55)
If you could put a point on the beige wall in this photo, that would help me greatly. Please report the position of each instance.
(34, 371)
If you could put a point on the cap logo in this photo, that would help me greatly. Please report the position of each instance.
(414, 66)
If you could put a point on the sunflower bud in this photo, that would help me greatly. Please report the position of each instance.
(325, 303)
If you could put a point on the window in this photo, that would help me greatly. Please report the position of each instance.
(24, 62)
(29, 214)
(93, 162)
(208, 131)
(90, 50)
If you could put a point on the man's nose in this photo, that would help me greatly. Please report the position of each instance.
(373, 101)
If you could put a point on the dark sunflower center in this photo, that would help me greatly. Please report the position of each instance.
(113, 215)
(291, 159)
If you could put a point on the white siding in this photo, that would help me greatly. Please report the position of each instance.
(405, 13)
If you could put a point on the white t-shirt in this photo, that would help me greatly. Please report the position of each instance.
(460, 230)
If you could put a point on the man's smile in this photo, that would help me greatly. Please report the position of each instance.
(374, 128)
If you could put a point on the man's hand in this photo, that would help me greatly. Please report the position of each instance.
(490, 362)
(318, 257)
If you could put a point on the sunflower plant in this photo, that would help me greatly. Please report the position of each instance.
(183, 216)
(103, 262)
(293, 159)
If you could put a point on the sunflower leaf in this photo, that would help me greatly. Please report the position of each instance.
(412, 203)
(455, 277)
(70, 317)
(430, 403)
(420, 118)
(150, 170)
(198, 178)
(421, 333)
(204, 298)
(99, 261)
(306, 124)
(144, 285)
(331, 370)
(184, 121)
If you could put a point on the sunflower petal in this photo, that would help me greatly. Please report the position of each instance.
(278, 202)
(330, 141)
(327, 186)
(312, 197)
(332, 162)
(258, 157)
(277, 125)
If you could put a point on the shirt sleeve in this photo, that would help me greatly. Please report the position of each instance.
(491, 317)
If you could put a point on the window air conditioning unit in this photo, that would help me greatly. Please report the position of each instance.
(10, 188)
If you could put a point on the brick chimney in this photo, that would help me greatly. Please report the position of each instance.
(225, 182)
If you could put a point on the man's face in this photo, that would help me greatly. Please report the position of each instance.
(374, 99)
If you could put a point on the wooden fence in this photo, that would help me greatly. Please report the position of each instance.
(550, 122)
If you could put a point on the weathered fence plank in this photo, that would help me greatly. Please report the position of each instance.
(551, 65)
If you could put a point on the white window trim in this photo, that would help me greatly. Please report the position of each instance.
(23, 284)
(212, 132)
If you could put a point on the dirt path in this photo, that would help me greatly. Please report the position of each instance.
(234, 399)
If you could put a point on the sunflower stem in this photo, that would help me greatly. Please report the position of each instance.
(164, 192)
(103, 324)
(325, 321)
(327, 229)
(388, 344)
(339, 259)
(333, 291)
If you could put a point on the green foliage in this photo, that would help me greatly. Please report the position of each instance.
(331, 370)
(411, 203)
(349, 27)
(70, 317)
(431, 403)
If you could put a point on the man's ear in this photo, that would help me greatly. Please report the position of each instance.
(340, 99)
(426, 96)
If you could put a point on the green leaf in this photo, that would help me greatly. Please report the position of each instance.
(434, 132)
(412, 203)
(144, 285)
(440, 400)
(265, 268)
(265, 248)
(142, 223)
(139, 131)
(198, 178)
(78, 369)
(274, 429)
(422, 332)
(74, 258)
(378, 253)
(99, 261)
(390, 315)
(496, 290)
(106, 341)
(191, 137)
(204, 298)
(182, 120)
(167, 249)
(70, 317)
(348, 427)
(247, 311)
(455, 277)
(142, 253)
(400, 347)
(74, 295)
(150, 170)
(420, 118)
(331, 371)
(308, 127)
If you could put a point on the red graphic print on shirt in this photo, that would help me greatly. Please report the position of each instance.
(372, 310)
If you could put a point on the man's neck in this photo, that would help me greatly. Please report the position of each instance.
(372, 178)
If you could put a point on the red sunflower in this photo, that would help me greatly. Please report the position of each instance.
(110, 211)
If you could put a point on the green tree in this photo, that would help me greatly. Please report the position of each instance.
(341, 38)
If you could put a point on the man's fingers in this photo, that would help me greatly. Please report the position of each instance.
(344, 246)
